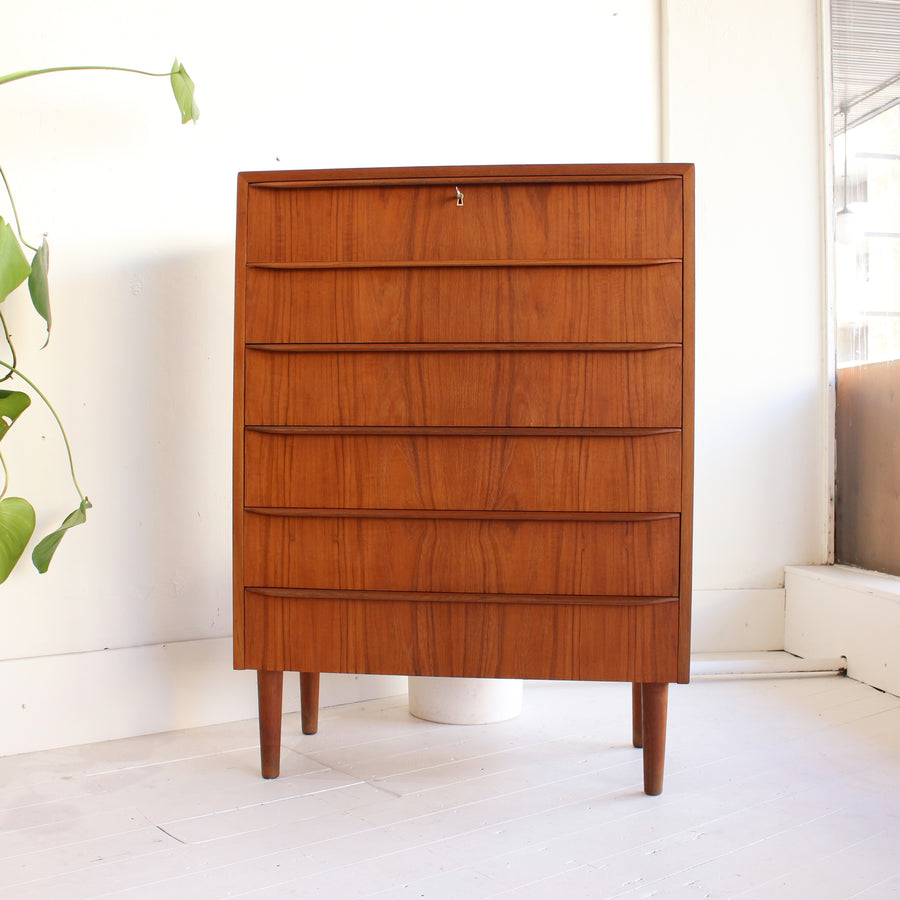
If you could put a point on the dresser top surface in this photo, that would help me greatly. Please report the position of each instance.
(426, 174)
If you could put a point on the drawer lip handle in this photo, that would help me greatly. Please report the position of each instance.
(486, 262)
(468, 347)
(263, 591)
(480, 515)
(478, 431)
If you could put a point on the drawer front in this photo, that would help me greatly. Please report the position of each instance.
(621, 642)
(592, 558)
(395, 471)
(464, 388)
(556, 303)
(636, 220)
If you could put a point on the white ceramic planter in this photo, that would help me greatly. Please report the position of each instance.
(465, 701)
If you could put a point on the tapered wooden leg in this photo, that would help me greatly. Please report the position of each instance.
(309, 702)
(654, 703)
(269, 687)
(637, 716)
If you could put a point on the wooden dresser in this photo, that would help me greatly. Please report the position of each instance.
(463, 429)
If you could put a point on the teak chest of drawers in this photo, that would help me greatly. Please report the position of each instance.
(463, 429)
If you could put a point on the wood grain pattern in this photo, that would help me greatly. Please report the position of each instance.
(463, 555)
(512, 221)
(687, 468)
(620, 173)
(576, 304)
(237, 427)
(476, 640)
(654, 703)
(401, 471)
(499, 388)
(269, 688)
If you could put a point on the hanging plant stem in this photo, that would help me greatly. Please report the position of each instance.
(28, 73)
(5, 477)
(182, 86)
(12, 349)
(49, 405)
(12, 204)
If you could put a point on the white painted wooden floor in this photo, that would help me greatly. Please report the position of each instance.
(775, 788)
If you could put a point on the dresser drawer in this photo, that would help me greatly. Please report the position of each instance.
(433, 304)
(635, 388)
(537, 221)
(493, 556)
(414, 471)
(479, 639)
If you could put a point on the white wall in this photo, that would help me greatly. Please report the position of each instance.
(130, 629)
(742, 103)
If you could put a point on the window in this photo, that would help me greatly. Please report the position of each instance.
(865, 53)
(867, 248)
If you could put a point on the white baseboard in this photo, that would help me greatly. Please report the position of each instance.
(59, 701)
(737, 620)
(841, 611)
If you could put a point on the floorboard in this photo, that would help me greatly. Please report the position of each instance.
(776, 787)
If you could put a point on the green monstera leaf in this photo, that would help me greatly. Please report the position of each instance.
(44, 551)
(39, 285)
(14, 268)
(183, 88)
(16, 528)
(12, 405)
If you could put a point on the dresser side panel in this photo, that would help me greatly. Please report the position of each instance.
(240, 284)
(687, 473)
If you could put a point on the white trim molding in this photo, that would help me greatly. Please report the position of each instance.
(841, 611)
(79, 698)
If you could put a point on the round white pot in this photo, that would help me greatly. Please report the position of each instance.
(465, 701)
